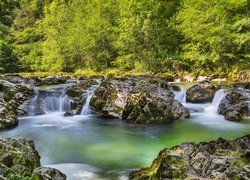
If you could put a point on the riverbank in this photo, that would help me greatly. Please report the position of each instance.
(232, 76)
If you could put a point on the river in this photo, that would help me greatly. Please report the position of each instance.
(89, 147)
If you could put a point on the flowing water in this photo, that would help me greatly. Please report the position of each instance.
(86, 107)
(88, 147)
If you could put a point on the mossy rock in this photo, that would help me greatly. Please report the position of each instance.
(19, 160)
(220, 159)
(168, 165)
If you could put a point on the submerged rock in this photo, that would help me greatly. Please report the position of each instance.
(19, 160)
(202, 92)
(220, 159)
(234, 106)
(137, 100)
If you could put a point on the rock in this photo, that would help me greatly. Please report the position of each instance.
(13, 94)
(15, 91)
(71, 113)
(220, 159)
(176, 88)
(244, 85)
(20, 160)
(18, 157)
(137, 100)
(233, 106)
(8, 118)
(188, 78)
(77, 95)
(45, 173)
(202, 78)
(17, 79)
(202, 92)
(50, 80)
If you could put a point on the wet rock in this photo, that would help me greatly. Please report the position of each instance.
(19, 159)
(13, 93)
(50, 80)
(137, 101)
(71, 113)
(220, 159)
(244, 85)
(45, 173)
(176, 88)
(17, 79)
(77, 94)
(202, 92)
(233, 106)
(8, 118)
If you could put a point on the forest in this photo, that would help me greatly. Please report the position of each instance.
(124, 35)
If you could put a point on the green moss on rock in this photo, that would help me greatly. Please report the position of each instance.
(220, 159)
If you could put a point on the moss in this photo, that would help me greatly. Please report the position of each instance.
(19, 177)
(7, 97)
(168, 165)
(73, 92)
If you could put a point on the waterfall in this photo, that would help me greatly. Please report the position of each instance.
(86, 107)
(209, 108)
(47, 101)
(56, 104)
(219, 95)
(180, 96)
(33, 104)
(213, 108)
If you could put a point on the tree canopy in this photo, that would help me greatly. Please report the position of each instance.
(140, 35)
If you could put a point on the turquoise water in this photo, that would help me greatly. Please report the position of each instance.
(93, 148)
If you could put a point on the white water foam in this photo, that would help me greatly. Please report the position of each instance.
(86, 107)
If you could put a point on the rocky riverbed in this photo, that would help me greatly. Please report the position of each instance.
(132, 100)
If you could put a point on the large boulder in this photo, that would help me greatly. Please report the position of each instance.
(13, 94)
(220, 159)
(234, 106)
(19, 160)
(16, 90)
(201, 92)
(137, 100)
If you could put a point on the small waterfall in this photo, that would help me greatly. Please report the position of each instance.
(86, 107)
(213, 108)
(33, 104)
(219, 95)
(55, 103)
(180, 96)
(47, 101)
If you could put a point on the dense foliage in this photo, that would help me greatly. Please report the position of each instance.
(140, 35)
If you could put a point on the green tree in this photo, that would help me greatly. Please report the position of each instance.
(216, 33)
